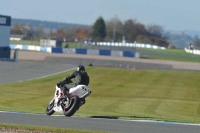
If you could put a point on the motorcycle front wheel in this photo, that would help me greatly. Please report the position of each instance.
(49, 109)
(73, 106)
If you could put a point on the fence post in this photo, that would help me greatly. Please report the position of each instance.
(16, 55)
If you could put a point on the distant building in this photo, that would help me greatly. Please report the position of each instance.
(51, 43)
(5, 23)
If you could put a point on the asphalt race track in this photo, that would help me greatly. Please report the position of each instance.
(23, 70)
(118, 126)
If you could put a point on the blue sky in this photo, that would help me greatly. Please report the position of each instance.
(171, 14)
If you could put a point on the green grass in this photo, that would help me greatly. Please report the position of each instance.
(43, 129)
(174, 58)
(163, 95)
(117, 93)
(72, 45)
(176, 55)
(171, 51)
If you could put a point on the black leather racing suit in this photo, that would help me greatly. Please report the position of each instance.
(81, 78)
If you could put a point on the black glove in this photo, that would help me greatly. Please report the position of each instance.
(59, 84)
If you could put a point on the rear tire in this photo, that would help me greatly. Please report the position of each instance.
(49, 109)
(74, 105)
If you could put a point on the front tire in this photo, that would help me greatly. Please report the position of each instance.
(49, 109)
(73, 107)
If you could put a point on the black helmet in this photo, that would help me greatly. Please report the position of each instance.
(80, 68)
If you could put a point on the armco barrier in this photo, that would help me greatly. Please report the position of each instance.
(69, 50)
(56, 50)
(105, 52)
(76, 51)
(116, 53)
(92, 51)
(128, 54)
(81, 51)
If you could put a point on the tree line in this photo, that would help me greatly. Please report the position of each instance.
(133, 31)
(112, 30)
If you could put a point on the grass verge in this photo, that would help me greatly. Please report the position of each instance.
(117, 93)
(172, 54)
(12, 128)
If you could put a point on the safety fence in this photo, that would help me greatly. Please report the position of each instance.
(194, 51)
(77, 51)
(138, 45)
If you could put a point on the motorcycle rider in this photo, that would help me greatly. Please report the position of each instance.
(81, 78)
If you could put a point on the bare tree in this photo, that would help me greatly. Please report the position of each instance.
(132, 29)
(40, 32)
(196, 44)
(114, 29)
(18, 29)
(155, 30)
(70, 34)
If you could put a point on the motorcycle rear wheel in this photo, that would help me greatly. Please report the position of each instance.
(73, 107)
(49, 109)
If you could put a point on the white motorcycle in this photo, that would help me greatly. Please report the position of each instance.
(69, 103)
